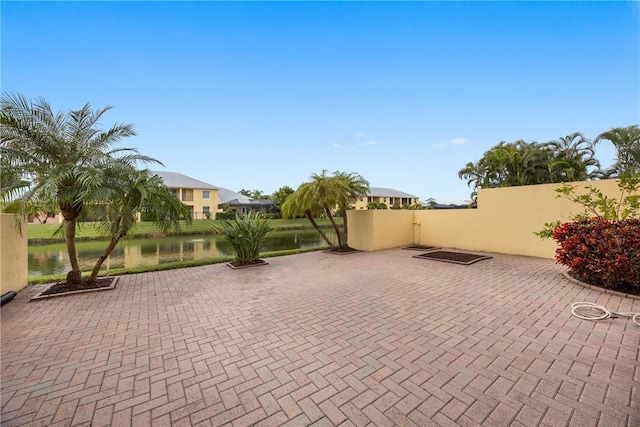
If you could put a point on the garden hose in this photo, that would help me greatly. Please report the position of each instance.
(585, 311)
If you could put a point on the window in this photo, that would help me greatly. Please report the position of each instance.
(205, 194)
(174, 191)
(187, 195)
(205, 210)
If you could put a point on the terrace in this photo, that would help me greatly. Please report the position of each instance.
(372, 338)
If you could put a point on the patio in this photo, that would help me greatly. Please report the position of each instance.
(372, 338)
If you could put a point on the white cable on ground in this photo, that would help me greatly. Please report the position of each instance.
(585, 310)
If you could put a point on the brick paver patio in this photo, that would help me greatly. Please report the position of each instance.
(317, 339)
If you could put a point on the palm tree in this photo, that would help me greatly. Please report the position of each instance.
(62, 159)
(352, 186)
(474, 174)
(129, 193)
(325, 191)
(322, 195)
(571, 158)
(294, 205)
(627, 142)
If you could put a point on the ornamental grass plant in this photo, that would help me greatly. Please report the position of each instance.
(246, 235)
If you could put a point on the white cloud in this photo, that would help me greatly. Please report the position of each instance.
(459, 141)
(337, 145)
(451, 142)
(370, 142)
(359, 135)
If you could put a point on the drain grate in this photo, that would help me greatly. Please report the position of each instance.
(453, 257)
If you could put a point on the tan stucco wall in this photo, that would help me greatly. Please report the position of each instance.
(373, 230)
(13, 255)
(504, 221)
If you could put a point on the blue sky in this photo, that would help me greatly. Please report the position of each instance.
(261, 95)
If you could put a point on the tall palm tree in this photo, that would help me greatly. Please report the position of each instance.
(352, 186)
(294, 205)
(62, 158)
(321, 195)
(325, 191)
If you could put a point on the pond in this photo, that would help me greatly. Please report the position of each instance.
(53, 259)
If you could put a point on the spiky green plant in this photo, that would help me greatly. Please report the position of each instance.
(246, 235)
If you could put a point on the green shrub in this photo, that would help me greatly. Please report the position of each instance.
(376, 205)
(246, 235)
(226, 215)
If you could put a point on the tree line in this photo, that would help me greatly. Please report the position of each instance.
(569, 158)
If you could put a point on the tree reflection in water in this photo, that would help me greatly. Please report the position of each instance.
(52, 258)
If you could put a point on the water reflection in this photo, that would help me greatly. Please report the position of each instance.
(53, 258)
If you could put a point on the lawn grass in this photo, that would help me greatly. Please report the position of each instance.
(89, 231)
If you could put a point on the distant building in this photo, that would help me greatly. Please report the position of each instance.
(204, 200)
(387, 196)
(199, 197)
(242, 204)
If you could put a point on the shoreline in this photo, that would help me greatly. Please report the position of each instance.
(156, 235)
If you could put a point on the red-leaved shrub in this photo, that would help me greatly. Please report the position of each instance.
(601, 252)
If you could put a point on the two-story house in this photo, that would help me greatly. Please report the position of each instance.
(200, 197)
(387, 196)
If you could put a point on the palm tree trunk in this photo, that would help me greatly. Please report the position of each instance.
(333, 223)
(96, 268)
(105, 254)
(345, 227)
(75, 275)
(309, 216)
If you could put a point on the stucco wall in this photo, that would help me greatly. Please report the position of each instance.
(504, 221)
(373, 230)
(13, 255)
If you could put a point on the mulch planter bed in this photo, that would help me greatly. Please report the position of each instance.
(63, 288)
(341, 251)
(421, 248)
(453, 257)
(236, 265)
